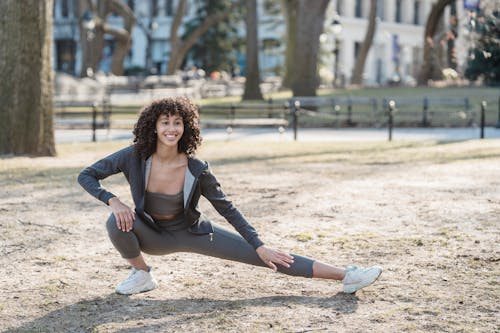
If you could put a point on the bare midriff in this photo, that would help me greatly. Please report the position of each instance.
(163, 217)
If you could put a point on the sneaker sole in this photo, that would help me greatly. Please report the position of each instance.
(352, 289)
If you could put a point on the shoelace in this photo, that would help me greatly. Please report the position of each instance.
(131, 274)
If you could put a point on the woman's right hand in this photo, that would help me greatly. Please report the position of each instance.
(124, 215)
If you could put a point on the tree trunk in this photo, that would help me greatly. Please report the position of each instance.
(451, 36)
(26, 108)
(123, 36)
(429, 45)
(289, 8)
(175, 43)
(310, 20)
(252, 88)
(93, 41)
(359, 66)
(179, 48)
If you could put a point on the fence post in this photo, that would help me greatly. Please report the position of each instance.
(94, 121)
(285, 110)
(425, 110)
(270, 107)
(483, 111)
(498, 122)
(106, 113)
(232, 111)
(295, 111)
(349, 112)
(390, 111)
(374, 110)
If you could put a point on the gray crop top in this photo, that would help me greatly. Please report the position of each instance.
(164, 204)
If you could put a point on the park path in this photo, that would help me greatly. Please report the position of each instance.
(309, 134)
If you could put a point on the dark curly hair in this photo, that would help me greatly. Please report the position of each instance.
(144, 130)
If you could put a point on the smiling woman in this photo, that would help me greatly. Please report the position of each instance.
(167, 181)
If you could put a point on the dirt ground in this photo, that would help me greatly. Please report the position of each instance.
(427, 212)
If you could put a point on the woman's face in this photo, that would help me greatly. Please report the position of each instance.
(169, 129)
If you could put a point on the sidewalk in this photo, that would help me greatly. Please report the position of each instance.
(304, 135)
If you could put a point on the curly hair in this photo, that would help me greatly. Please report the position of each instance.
(144, 130)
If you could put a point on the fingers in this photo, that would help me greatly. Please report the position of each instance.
(285, 263)
(286, 257)
(272, 265)
(283, 259)
(280, 258)
(125, 220)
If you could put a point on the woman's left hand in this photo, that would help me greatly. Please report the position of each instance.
(271, 257)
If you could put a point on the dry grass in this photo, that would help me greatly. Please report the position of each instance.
(427, 212)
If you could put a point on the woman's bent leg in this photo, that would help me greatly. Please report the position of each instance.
(125, 242)
(228, 245)
(140, 238)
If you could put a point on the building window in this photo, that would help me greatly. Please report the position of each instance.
(416, 13)
(358, 12)
(131, 4)
(64, 8)
(169, 7)
(339, 7)
(357, 48)
(380, 9)
(154, 8)
(398, 11)
(65, 55)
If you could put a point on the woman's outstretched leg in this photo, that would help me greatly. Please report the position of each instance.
(325, 271)
(231, 246)
(353, 278)
(228, 245)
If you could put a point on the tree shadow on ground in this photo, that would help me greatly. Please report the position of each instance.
(144, 314)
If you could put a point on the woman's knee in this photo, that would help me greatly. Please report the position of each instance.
(112, 228)
(125, 242)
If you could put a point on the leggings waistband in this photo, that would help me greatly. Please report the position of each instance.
(176, 223)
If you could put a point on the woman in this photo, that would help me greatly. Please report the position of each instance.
(166, 182)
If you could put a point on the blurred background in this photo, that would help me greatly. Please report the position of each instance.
(301, 63)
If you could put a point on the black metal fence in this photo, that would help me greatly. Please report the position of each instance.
(297, 112)
(401, 112)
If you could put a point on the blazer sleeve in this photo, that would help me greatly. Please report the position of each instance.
(89, 178)
(211, 189)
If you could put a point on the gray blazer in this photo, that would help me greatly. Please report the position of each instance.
(198, 181)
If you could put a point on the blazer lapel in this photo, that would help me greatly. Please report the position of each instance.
(189, 180)
(145, 169)
(147, 172)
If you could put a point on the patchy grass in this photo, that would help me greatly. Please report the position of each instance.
(425, 211)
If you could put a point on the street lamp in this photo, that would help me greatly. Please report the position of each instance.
(88, 22)
(337, 29)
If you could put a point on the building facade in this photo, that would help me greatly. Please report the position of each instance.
(397, 49)
(396, 53)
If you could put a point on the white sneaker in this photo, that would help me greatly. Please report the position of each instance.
(138, 281)
(359, 277)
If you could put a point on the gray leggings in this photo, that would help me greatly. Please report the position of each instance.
(222, 244)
